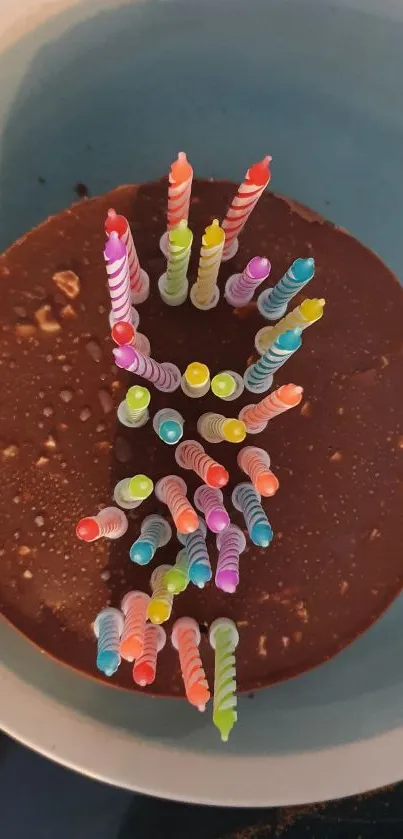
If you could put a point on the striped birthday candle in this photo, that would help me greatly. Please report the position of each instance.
(210, 502)
(257, 416)
(160, 606)
(145, 668)
(139, 279)
(126, 333)
(240, 288)
(186, 639)
(173, 284)
(256, 463)
(259, 376)
(117, 269)
(247, 500)
(249, 192)
(230, 543)
(134, 607)
(190, 454)
(110, 522)
(272, 303)
(177, 578)
(155, 532)
(304, 315)
(224, 639)
(165, 376)
(108, 627)
(199, 563)
(205, 293)
(179, 192)
(172, 491)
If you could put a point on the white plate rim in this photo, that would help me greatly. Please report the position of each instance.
(118, 758)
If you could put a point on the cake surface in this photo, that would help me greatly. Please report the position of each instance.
(335, 562)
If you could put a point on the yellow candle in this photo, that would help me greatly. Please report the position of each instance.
(204, 293)
(307, 313)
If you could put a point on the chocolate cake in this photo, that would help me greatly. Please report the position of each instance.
(335, 562)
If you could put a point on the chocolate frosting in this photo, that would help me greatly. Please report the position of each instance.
(335, 562)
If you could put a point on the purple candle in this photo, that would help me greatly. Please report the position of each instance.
(165, 376)
(240, 288)
(117, 268)
(210, 502)
(230, 543)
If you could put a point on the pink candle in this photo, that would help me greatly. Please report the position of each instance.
(179, 191)
(164, 376)
(249, 192)
(230, 543)
(117, 268)
(139, 280)
(240, 288)
(210, 502)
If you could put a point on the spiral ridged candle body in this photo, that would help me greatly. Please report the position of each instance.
(108, 626)
(134, 607)
(172, 492)
(224, 638)
(205, 291)
(240, 288)
(179, 190)
(160, 606)
(191, 455)
(179, 249)
(249, 192)
(215, 428)
(186, 639)
(210, 502)
(120, 224)
(145, 668)
(117, 268)
(134, 410)
(165, 376)
(110, 523)
(307, 313)
(177, 578)
(259, 376)
(230, 543)
(199, 563)
(256, 463)
(273, 302)
(257, 416)
(155, 532)
(247, 501)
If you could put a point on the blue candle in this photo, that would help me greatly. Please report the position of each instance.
(199, 563)
(247, 500)
(108, 627)
(259, 376)
(154, 533)
(272, 303)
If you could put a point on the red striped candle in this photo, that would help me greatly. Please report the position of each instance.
(249, 192)
(179, 191)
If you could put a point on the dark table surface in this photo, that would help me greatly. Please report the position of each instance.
(41, 800)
